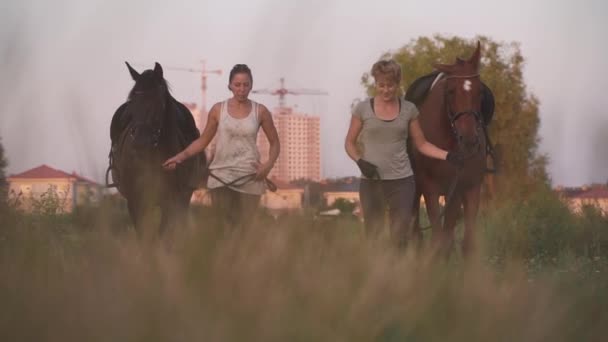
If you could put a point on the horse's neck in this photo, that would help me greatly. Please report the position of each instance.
(172, 128)
(434, 120)
(169, 119)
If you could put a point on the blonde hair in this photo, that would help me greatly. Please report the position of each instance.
(387, 68)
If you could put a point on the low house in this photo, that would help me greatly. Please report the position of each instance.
(347, 190)
(49, 189)
(287, 197)
(577, 198)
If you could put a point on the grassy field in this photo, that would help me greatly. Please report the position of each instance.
(541, 275)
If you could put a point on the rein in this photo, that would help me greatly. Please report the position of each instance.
(244, 180)
(448, 198)
(236, 182)
(454, 116)
(462, 76)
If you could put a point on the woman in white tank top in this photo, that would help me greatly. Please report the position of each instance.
(236, 123)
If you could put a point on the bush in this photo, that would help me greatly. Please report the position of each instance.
(542, 228)
(591, 232)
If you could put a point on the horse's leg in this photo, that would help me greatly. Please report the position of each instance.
(471, 207)
(182, 209)
(144, 205)
(490, 186)
(452, 212)
(174, 214)
(431, 202)
(166, 216)
(135, 213)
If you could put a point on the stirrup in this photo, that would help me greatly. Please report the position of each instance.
(108, 170)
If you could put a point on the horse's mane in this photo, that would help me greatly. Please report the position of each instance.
(418, 90)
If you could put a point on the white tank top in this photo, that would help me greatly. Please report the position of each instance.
(236, 151)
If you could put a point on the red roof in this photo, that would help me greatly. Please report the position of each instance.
(45, 171)
(594, 193)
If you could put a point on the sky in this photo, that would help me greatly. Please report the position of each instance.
(63, 71)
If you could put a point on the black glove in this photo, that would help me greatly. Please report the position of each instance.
(456, 158)
(368, 169)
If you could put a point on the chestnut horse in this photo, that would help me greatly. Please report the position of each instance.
(451, 118)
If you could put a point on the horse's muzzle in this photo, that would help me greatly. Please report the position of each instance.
(471, 143)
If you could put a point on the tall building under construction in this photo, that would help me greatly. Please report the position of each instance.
(300, 138)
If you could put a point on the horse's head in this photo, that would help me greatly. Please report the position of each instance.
(462, 100)
(148, 102)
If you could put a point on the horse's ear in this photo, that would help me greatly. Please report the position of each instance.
(134, 74)
(446, 68)
(476, 56)
(158, 70)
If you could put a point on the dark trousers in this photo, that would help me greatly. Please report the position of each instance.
(398, 196)
(236, 209)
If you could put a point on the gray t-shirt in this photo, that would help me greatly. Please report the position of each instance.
(383, 142)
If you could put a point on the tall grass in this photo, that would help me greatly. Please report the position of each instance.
(542, 275)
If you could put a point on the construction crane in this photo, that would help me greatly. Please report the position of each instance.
(204, 72)
(282, 91)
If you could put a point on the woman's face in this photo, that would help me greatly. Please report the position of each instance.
(240, 86)
(386, 88)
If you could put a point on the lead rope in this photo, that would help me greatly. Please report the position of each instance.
(248, 178)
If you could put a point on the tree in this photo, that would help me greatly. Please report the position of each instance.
(516, 121)
(345, 206)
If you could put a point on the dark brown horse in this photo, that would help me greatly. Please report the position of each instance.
(451, 118)
(146, 130)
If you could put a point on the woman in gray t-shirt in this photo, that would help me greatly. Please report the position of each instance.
(376, 141)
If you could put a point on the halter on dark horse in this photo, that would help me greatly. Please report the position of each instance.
(146, 130)
(451, 118)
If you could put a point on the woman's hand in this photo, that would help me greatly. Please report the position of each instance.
(262, 170)
(368, 169)
(171, 163)
(456, 158)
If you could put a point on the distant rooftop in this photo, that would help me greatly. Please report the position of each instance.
(44, 172)
(585, 192)
(284, 185)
